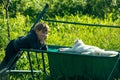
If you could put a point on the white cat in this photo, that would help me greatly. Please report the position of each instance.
(81, 48)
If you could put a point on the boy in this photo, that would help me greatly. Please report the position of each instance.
(35, 39)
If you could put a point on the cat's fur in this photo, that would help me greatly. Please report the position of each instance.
(82, 48)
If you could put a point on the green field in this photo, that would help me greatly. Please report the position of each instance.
(61, 34)
(65, 35)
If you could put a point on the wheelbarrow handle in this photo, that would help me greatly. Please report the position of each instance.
(41, 14)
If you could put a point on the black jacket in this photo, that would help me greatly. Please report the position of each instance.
(29, 41)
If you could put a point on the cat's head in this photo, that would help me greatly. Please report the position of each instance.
(78, 42)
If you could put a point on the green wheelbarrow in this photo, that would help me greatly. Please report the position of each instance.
(72, 66)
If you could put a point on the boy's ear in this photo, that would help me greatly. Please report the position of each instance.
(36, 31)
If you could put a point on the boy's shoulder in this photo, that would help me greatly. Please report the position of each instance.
(31, 35)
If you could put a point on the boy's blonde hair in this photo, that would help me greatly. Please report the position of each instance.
(41, 26)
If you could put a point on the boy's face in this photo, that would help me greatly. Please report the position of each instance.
(42, 35)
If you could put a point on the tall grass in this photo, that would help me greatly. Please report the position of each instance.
(66, 34)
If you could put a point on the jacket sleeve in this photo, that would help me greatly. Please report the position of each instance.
(45, 47)
(29, 42)
(33, 43)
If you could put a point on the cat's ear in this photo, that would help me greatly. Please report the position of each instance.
(77, 39)
(81, 42)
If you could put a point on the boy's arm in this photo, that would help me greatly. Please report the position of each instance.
(45, 47)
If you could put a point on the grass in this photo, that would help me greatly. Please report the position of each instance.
(65, 35)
